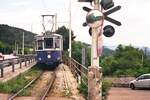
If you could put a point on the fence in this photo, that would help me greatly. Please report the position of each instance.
(27, 59)
(79, 71)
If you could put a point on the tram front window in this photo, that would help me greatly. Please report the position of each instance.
(40, 44)
(57, 43)
(48, 43)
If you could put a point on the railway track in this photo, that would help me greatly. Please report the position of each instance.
(44, 92)
(26, 86)
(58, 84)
(50, 84)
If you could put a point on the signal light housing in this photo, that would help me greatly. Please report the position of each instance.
(106, 4)
(90, 31)
(108, 31)
(85, 0)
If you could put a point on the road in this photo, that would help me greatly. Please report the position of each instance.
(128, 94)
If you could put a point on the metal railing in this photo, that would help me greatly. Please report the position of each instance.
(27, 59)
(78, 70)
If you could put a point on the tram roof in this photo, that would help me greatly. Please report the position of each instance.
(39, 37)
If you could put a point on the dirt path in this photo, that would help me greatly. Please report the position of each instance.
(65, 86)
(128, 94)
(41, 84)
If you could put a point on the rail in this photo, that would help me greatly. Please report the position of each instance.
(50, 84)
(79, 71)
(27, 59)
(26, 86)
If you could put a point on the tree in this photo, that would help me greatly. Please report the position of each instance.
(126, 60)
(11, 35)
(130, 57)
(65, 33)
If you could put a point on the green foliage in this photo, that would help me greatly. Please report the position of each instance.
(65, 55)
(126, 60)
(65, 33)
(11, 35)
(83, 89)
(4, 48)
(15, 84)
(77, 52)
(106, 85)
(2, 45)
(107, 51)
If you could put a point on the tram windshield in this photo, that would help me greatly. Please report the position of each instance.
(48, 43)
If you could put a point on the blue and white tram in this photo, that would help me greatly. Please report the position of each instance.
(49, 49)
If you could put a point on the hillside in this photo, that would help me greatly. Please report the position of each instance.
(107, 51)
(9, 35)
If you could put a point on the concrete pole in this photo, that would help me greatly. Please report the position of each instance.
(17, 49)
(23, 44)
(94, 71)
(70, 28)
(84, 56)
(55, 22)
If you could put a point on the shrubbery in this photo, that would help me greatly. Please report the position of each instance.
(106, 85)
(15, 84)
(127, 61)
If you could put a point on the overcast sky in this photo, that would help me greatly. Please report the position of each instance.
(134, 16)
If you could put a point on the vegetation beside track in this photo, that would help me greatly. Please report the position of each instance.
(83, 89)
(106, 85)
(15, 84)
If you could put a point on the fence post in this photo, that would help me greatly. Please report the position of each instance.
(2, 70)
(31, 59)
(25, 61)
(13, 66)
(28, 60)
(20, 62)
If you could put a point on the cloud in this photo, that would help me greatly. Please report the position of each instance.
(133, 15)
(20, 3)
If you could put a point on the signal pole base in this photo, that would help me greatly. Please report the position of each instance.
(94, 83)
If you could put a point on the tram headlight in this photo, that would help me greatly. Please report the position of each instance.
(58, 58)
(39, 59)
(49, 56)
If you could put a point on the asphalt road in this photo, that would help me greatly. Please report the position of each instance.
(128, 94)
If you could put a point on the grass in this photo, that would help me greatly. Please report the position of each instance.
(83, 89)
(15, 84)
(106, 85)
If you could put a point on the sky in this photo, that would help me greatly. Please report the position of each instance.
(134, 16)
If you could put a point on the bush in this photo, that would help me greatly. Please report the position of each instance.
(15, 84)
(106, 85)
(83, 89)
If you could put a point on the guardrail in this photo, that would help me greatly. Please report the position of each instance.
(79, 71)
(14, 61)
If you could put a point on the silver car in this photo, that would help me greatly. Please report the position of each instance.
(142, 81)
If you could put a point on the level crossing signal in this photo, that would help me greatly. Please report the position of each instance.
(95, 17)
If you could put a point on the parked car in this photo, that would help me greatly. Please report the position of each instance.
(142, 81)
